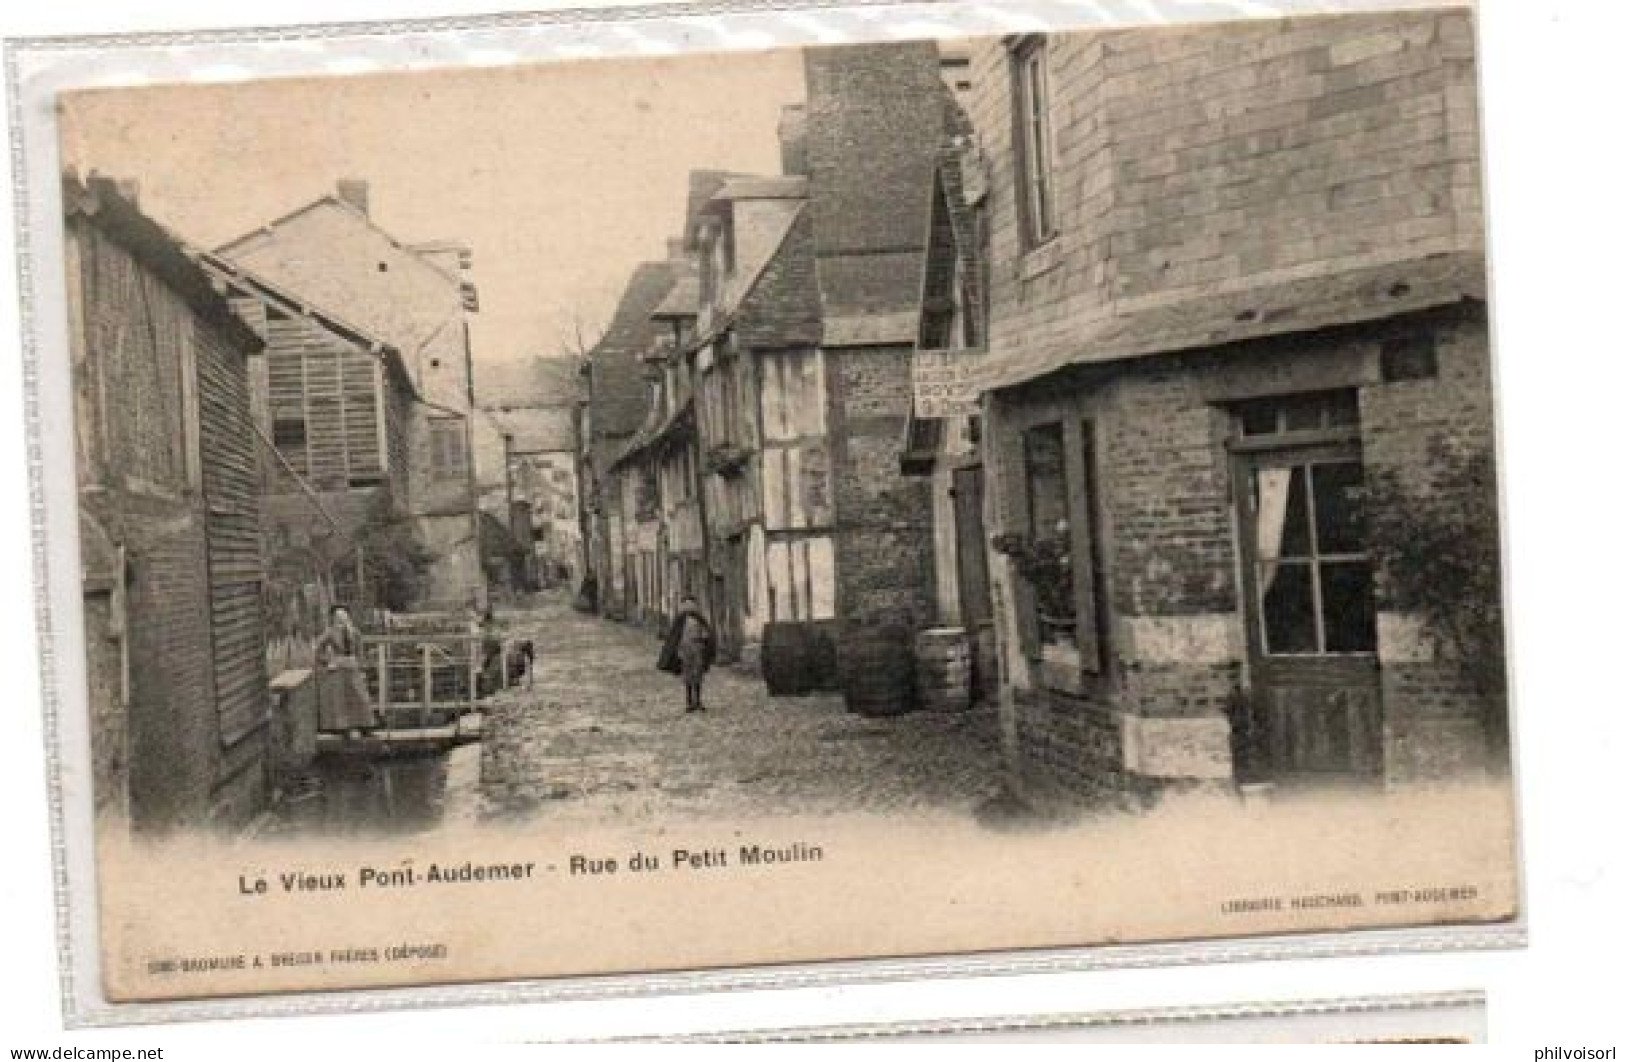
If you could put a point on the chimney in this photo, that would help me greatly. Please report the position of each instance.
(874, 129)
(354, 192)
(793, 140)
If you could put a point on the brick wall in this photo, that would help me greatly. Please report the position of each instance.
(1174, 632)
(873, 124)
(1435, 722)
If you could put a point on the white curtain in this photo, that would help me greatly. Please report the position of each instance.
(1274, 487)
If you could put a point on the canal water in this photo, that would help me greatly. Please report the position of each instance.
(367, 796)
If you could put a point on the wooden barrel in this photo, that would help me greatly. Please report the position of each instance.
(877, 670)
(943, 669)
(786, 659)
(797, 658)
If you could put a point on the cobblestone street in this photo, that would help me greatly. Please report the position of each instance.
(602, 735)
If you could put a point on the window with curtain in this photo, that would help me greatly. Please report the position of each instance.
(1311, 557)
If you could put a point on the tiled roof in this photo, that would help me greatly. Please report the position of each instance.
(702, 185)
(684, 298)
(870, 284)
(781, 309)
(619, 388)
(1349, 296)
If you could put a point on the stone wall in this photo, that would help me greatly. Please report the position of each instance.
(883, 555)
(1193, 160)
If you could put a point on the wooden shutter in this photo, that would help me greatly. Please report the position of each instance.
(1080, 464)
(970, 545)
(1019, 517)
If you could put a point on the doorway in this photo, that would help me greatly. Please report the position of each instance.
(1316, 711)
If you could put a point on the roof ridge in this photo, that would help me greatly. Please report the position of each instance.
(413, 248)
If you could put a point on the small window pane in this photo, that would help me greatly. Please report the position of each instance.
(1350, 617)
(1046, 481)
(1339, 508)
(1289, 607)
(1259, 418)
(1303, 414)
(1342, 409)
(1281, 498)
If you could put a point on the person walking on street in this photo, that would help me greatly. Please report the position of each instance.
(344, 703)
(689, 649)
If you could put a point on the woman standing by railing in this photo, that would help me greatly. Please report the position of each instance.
(345, 705)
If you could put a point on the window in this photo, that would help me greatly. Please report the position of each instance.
(1311, 571)
(1336, 412)
(1411, 356)
(1058, 557)
(447, 453)
(288, 433)
(1046, 560)
(1034, 145)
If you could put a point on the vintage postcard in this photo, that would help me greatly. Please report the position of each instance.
(875, 500)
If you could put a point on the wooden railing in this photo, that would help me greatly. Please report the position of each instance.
(431, 679)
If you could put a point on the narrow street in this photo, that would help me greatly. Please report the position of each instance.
(603, 735)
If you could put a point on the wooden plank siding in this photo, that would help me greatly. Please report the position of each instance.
(138, 344)
(328, 385)
(230, 466)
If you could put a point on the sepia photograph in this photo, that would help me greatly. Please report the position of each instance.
(857, 501)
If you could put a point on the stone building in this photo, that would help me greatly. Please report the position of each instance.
(169, 525)
(412, 299)
(1236, 286)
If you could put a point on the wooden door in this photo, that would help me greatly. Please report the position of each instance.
(970, 549)
(1311, 617)
(729, 588)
